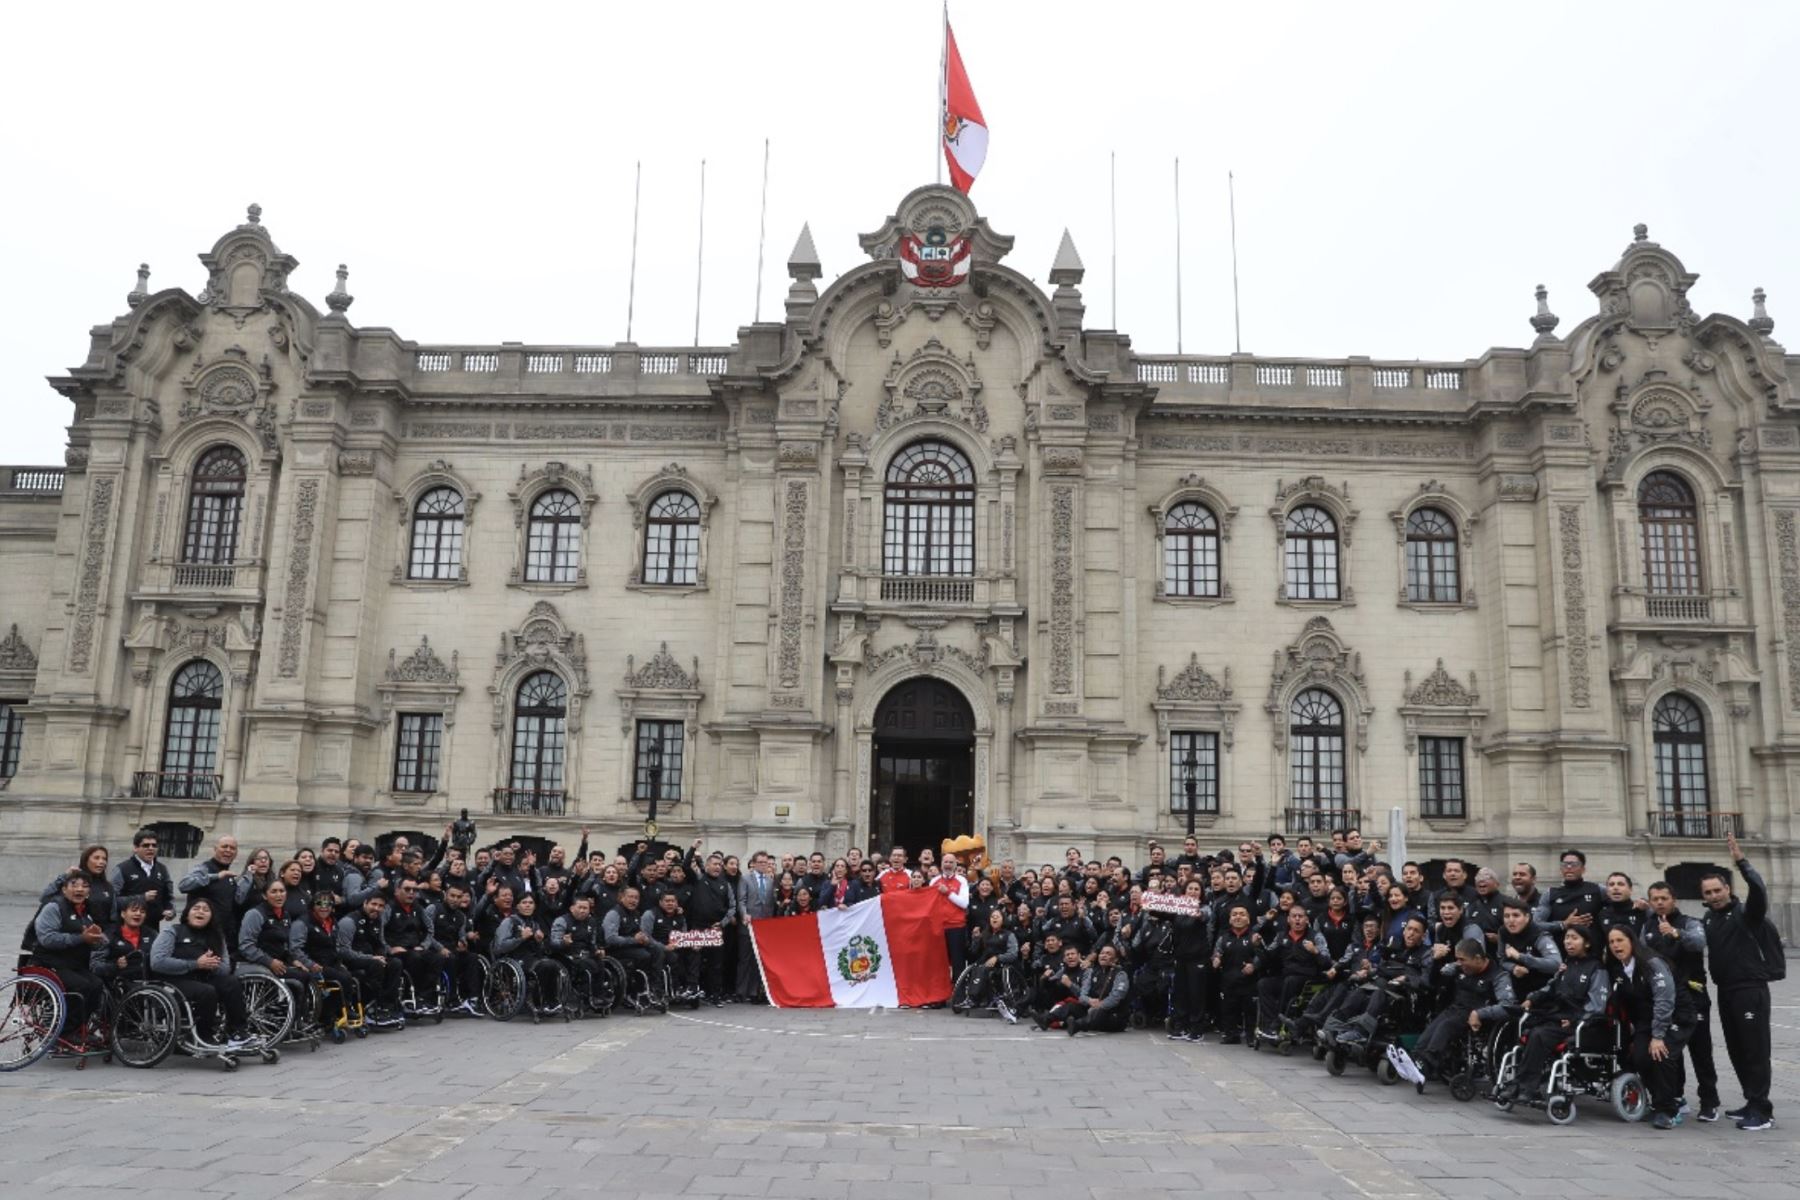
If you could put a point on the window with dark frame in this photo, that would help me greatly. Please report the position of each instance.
(1441, 788)
(1191, 551)
(437, 535)
(1193, 771)
(928, 524)
(1431, 558)
(416, 750)
(215, 507)
(190, 755)
(12, 736)
(553, 539)
(1669, 521)
(540, 733)
(1683, 799)
(1316, 752)
(1310, 551)
(658, 761)
(672, 541)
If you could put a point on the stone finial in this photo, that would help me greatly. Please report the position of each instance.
(141, 292)
(803, 262)
(1067, 269)
(1760, 320)
(1544, 321)
(254, 212)
(1640, 232)
(339, 300)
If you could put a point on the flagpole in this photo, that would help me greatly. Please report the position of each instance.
(1178, 254)
(937, 137)
(1112, 159)
(637, 192)
(700, 254)
(1237, 326)
(762, 231)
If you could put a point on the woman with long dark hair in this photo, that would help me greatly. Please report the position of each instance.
(1660, 1015)
(191, 956)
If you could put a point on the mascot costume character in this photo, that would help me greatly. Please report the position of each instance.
(971, 851)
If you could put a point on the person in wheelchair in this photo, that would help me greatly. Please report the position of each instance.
(362, 948)
(1578, 992)
(684, 965)
(575, 941)
(1289, 964)
(1349, 971)
(265, 934)
(65, 936)
(191, 956)
(521, 937)
(1481, 995)
(1099, 1004)
(1526, 948)
(312, 943)
(1403, 970)
(1659, 1015)
(991, 947)
(124, 958)
(452, 928)
(623, 932)
(409, 940)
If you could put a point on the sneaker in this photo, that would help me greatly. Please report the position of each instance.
(1756, 1123)
(1177, 1035)
(1197, 1036)
(1662, 1121)
(1738, 1114)
(1006, 1012)
(1709, 1114)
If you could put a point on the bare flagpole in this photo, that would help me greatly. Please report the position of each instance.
(700, 254)
(762, 230)
(937, 136)
(1112, 160)
(631, 296)
(1178, 254)
(1237, 325)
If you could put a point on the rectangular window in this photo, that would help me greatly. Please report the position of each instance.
(416, 752)
(658, 761)
(1194, 772)
(12, 736)
(1441, 792)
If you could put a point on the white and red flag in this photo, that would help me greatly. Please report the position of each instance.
(964, 129)
(883, 953)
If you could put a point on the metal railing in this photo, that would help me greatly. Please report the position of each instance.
(1693, 823)
(1313, 821)
(1678, 608)
(531, 801)
(928, 589)
(203, 576)
(176, 785)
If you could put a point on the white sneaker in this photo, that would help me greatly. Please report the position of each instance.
(1006, 1012)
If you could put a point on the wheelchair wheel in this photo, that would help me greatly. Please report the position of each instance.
(1385, 1072)
(32, 1011)
(959, 994)
(1462, 1086)
(1336, 1061)
(504, 992)
(1560, 1110)
(271, 1008)
(1630, 1098)
(145, 1027)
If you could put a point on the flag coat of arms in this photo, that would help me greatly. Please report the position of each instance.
(883, 953)
(965, 130)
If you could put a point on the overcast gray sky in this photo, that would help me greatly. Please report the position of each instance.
(1405, 173)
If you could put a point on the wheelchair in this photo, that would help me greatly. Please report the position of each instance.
(152, 1020)
(34, 1009)
(1400, 1023)
(511, 988)
(419, 1007)
(1286, 1037)
(1482, 1051)
(1591, 1061)
(1152, 994)
(1006, 985)
(597, 993)
(645, 990)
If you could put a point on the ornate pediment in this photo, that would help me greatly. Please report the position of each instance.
(542, 637)
(925, 651)
(15, 655)
(1317, 656)
(422, 666)
(1193, 682)
(233, 388)
(661, 674)
(1440, 690)
(931, 382)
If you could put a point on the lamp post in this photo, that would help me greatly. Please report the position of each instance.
(1190, 785)
(653, 769)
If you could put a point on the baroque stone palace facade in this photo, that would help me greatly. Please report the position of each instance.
(929, 554)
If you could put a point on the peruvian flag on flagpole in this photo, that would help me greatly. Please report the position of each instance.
(887, 952)
(961, 125)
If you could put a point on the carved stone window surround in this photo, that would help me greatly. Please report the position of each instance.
(421, 682)
(1195, 488)
(671, 478)
(1193, 700)
(1435, 495)
(531, 484)
(543, 641)
(661, 689)
(436, 474)
(1334, 499)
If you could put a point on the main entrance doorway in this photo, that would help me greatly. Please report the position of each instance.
(924, 767)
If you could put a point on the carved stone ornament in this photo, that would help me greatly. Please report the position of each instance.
(422, 666)
(543, 641)
(932, 383)
(1656, 414)
(1574, 603)
(1787, 555)
(1319, 657)
(1518, 489)
(925, 651)
(1062, 590)
(1314, 488)
(15, 655)
(93, 564)
(792, 603)
(1440, 690)
(1193, 682)
(661, 673)
(533, 482)
(295, 609)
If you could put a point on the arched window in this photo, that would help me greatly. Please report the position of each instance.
(437, 535)
(190, 758)
(539, 744)
(1431, 567)
(553, 540)
(929, 523)
(215, 507)
(1310, 551)
(1191, 551)
(1684, 805)
(1316, 754)
(1670, 523)
(672, 541)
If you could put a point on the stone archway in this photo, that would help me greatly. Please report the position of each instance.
(923, 777)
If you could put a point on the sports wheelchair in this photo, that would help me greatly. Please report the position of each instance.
(1006, 987)
(152, 1020)
(33, 1010)
(1285, 1036)
(512, 986)
(1592, 1061)
(646, 989)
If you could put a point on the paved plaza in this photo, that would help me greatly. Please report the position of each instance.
(749, 1101)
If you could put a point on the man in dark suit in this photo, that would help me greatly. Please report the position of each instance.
(756, 902)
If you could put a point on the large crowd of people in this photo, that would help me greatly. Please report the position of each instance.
(1266, 942)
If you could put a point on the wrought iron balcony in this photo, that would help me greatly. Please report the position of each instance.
(1706, 824)
(1311, 822)
(533, 801)
(176, 785)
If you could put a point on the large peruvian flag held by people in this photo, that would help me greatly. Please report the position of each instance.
(887, 952)
(965, 130)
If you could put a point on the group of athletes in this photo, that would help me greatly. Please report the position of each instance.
(1267, 943)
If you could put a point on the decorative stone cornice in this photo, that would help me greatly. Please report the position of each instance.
(15, 655)
(1193, 682)
(1440, 690)
(662, 673)
(422, 666)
